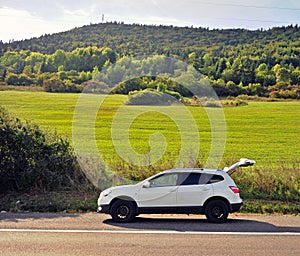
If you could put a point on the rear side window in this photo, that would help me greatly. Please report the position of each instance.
(188, 179)
(215, 178)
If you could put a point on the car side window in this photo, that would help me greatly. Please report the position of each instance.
(210, 178)
(164, 180)
(190, 179)
(216, 178)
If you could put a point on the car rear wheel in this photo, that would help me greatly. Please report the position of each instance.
(216, 211)
(123, 211)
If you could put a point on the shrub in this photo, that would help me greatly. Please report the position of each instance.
(148, 97)
(176, 95)
(53, 85)
(203, 101)
(33, 160)
(57, 85)
(95, 86)
(13, 79)
(234, 103)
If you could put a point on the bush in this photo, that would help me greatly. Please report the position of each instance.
(290, 92)
(57, 85)
(23, 80)
(53, 85)
(151, 98)
(94, 86)
(176, 95)
(203, 101)
(234, 103)
(33, 160)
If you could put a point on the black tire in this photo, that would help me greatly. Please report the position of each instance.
(123, 211)
(216, 211)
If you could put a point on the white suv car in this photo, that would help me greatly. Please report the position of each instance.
(189, 191)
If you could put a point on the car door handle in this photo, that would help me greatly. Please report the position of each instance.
(173, 190)
(205, 189)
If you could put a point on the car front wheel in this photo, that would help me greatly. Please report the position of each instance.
(216, 211)
(123, 211)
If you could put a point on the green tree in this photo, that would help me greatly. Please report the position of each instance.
(12, 79)
(28, 71)
(59, 58)
(283, 77)
(295, 76)
(24, 80)
(3, 73)
(161, 87)
(264, 76)
(233, 89)
(192, 58)
(221, 66)
(34, 59)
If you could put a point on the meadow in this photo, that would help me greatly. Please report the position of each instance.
(267, 132)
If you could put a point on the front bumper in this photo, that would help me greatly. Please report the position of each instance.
(104, 208)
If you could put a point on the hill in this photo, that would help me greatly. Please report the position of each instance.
(237, 61)
(144, 39)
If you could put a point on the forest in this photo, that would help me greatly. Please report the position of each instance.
(265, 63)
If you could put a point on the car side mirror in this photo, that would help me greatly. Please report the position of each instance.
(146, 184)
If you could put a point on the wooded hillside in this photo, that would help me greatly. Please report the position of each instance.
(236, 61)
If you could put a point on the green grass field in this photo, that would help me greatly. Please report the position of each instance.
(268, 132)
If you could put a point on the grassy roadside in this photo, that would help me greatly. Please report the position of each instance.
(87, 202)
(270, 207)
(50, 202)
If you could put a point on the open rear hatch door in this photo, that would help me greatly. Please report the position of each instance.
(243, 162)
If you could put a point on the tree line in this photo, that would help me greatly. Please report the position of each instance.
(58, 72)
(235, 61)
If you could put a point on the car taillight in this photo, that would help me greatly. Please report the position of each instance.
(234, 189)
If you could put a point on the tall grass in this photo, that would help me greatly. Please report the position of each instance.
(280, 183)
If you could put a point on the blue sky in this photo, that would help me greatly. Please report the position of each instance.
(21, 19)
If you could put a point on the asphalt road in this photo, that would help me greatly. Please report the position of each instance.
(96, 234)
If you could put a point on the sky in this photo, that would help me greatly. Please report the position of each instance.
(24, 19)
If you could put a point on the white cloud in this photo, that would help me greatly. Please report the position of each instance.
(20, 24)
(17, 24)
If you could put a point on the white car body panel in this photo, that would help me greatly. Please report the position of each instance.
(158, 197)
(194, 195)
